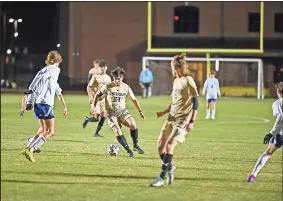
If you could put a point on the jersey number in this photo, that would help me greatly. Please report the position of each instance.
(116, 99)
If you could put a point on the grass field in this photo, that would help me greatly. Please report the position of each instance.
(212, 164)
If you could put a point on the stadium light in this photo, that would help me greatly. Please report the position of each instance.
(20, 20)
(58, 45)
(9, 51)
(16, 34)
(11, 20)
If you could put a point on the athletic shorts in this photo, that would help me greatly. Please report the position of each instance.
(100, 107)
(277, 140)
(211, 100)
(113, 120)
(43, 111)
(174, 127)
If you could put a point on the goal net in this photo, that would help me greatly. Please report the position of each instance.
(241, 77)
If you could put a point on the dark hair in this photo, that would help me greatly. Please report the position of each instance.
(102, 63)
(117, 72)
(279, 86)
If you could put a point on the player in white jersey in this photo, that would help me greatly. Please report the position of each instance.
(274, 137)
(115, 95)
(58, 92)
(98, 80)
(41, 95)
(211, 89)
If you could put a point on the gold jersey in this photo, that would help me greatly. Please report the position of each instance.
(115, 98)
(184, 89)
(99, 81)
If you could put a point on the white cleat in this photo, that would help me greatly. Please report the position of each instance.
(213, 118)
(159, 182)
(170, 177)
(207, 117)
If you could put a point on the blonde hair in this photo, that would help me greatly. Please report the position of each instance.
(53, 58)
(96, 61)
(179, 61)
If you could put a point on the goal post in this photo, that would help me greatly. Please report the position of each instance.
(238, 74)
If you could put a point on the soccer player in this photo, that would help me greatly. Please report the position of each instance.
(180, 120)
(211, 88)
(98, 80)
(274, 137)
(40, 130)
(94, 70)
(115, 95)
(41, 96)
(146, 79)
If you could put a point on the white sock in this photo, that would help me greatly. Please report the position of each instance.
(213, 113)
(260, 163)
(208, 112)
(30, 140)
(38, 142)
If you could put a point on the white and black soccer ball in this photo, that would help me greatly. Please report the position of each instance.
(113, 150)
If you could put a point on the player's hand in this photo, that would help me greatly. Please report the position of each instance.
(159, 114)
(202, 94)
(219, 95)
(29, 107)
(142, 115)
(266, 138)
(189, 127)
(22, 112)
(65, 111)
(91, 101)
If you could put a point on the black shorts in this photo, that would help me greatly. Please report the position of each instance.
(146, 85)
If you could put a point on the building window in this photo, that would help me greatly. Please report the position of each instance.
(254, 22)
(278, 22)
(186, 19)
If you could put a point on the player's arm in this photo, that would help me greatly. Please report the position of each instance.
(90, 91)
(204, 88)
(60, 96)
(24, 104)
(136, 103)
(161, 113)
(218, 88)
(100, 92)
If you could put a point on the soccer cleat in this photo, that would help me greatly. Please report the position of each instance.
(207, 117)
(29, 140)
(28, 153)
(213, 118)
(159, 182)
(37, 151)
(251, 178)
(170, 177)
(130, 153)
(85, 121)
(138, 149)
(97, 135)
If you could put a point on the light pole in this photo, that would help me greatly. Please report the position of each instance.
(15, 22)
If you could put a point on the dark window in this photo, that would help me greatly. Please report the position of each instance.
(254, 22)
(186, 19)
(278, 22)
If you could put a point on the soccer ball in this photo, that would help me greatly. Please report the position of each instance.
(113, 150)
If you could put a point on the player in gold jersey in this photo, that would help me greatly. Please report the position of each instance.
(98, 80)
(180, 120)
(115, 95)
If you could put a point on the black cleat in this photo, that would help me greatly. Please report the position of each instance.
(130, 153)
(97, 135)
(85, 121)
(138, 149)
(37, 151)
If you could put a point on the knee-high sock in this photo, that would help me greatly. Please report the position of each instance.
(122, 140)
(260, 163)
(135, 136)
(166, 165)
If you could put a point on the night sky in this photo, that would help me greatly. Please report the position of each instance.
(39, 29)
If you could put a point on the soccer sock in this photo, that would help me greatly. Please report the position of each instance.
(39, 141)
(213, 113)
(260, 163)
(135, 136)
(208, 112)
(122, 140)
(31, 140)
(92, 119)
(162, 156)
(166, 164)
(100, 125)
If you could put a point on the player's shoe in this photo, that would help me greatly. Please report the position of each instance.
(130, 153)
(28, 153)
(96, 134)
(251, 178)
(170, 177)
(29, 141)
(207, 117)
(212, 117)
(138, 149)
(85, 121)
(159, 182)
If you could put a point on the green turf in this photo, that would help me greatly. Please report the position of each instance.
(212, 164)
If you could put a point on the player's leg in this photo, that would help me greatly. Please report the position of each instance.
(39, 132)
(165, 132)
(99, 108)
(208, 108)
(130, 122)
(150, 90)
(274, 144)
(88, 119)
(213, 108)
(144, 90)
(114, 125)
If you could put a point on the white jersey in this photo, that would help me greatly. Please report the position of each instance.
(277, 110)
(45, 86)
(211, 88)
